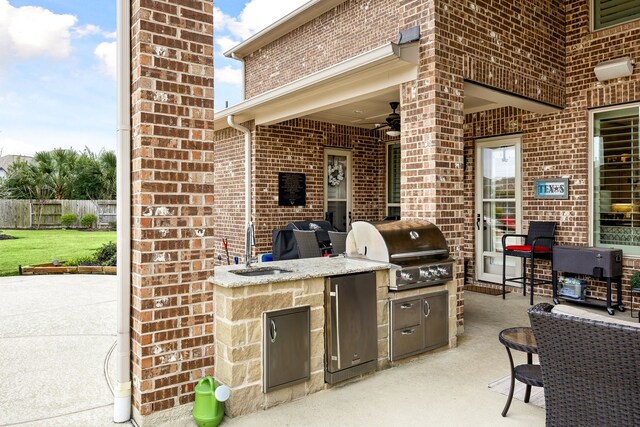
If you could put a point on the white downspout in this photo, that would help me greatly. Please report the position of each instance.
(249, 236)
(122, 387)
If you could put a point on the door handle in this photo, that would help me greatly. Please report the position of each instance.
(426, 312)
(407, 331)
(406, 305)
(478, 222)
(273, 331)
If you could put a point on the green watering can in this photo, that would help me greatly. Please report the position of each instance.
(208, 408)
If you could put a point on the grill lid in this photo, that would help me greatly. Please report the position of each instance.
(399, 242)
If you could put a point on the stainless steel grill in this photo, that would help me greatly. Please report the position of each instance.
(417, 250)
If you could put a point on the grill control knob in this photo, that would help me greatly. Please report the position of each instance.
(425, 273)
(434, 272)
(406, 276)
(443, 271)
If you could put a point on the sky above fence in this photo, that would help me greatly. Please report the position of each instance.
(57, 75)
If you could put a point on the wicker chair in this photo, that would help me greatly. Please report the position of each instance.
(338, 241)
(590, 367)
(538, 244)
(307, 242)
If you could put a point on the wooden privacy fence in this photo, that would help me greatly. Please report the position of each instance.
(48, 214)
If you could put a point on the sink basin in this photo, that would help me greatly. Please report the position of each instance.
(266, 271)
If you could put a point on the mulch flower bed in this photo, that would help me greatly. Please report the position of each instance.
(6, 237)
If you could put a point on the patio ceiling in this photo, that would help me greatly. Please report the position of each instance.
(357, 93)
(367, 82)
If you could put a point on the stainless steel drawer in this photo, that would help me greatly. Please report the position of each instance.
(405, 313)
(406, 341)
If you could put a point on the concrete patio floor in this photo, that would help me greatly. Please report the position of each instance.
(56, 333)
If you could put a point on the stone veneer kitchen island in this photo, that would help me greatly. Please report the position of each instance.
(240, 302)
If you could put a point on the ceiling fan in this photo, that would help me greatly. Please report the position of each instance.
(393, 121)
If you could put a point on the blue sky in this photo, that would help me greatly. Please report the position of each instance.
(57, 81)
(235, 21)
(57, 68)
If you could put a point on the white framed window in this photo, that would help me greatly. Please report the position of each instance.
(608, 13)
(393, 179)
(615, 151)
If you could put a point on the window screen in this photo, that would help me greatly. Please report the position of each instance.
(617, 179)
(393, 180)
(607, 13)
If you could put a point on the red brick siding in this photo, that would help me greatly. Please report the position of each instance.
(352, 28)
(516, 47)
(557, 144)
(293, 146)
(172, 195)
(228, 206)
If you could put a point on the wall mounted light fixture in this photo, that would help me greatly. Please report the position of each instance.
(614, 68)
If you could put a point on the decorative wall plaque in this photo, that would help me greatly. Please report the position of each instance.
(292, 189)
(552, 188)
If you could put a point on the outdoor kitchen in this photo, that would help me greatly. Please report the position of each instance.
(286, 329)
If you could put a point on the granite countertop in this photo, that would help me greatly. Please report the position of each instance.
(298, 269)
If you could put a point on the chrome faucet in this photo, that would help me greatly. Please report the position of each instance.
(250, 240)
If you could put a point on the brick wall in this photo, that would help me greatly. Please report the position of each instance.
(295, 146)
(557, 144)
(517, 47)
(352, 28)
(172, 195)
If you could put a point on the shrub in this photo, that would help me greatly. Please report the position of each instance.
(88, 220)
(635, 280)
(106, 255)
(83, 260)
(67, 219)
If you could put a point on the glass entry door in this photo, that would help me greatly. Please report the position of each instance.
(498, 204)
(337, 184)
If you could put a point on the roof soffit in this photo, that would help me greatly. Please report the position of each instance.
(369, 73)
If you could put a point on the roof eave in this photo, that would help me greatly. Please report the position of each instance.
(285, 25)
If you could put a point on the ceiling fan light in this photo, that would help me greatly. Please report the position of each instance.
(393, 132)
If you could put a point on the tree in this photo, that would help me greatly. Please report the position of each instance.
(62, 174)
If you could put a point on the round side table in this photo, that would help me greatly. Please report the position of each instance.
(521, 339)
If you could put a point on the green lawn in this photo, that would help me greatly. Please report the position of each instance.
(42, 246)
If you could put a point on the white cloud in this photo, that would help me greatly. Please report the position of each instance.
(225, 42)
(28, 31)
(87, 30)
(256, 15)
(106, 52)
(28, 142)
(219, 19)
(229, 75)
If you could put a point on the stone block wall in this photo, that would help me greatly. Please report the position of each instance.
(239, 333)
(172, 194)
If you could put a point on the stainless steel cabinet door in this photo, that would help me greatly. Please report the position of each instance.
(354, 332)
(436, 320)
(286, 347)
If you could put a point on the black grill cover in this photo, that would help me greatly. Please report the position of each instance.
(283, 245)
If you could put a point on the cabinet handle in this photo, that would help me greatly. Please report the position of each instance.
(408, 331)
(427, 312)
(406, 305)
(273, 331)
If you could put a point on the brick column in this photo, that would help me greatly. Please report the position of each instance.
(432, 143)
(172, 195)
